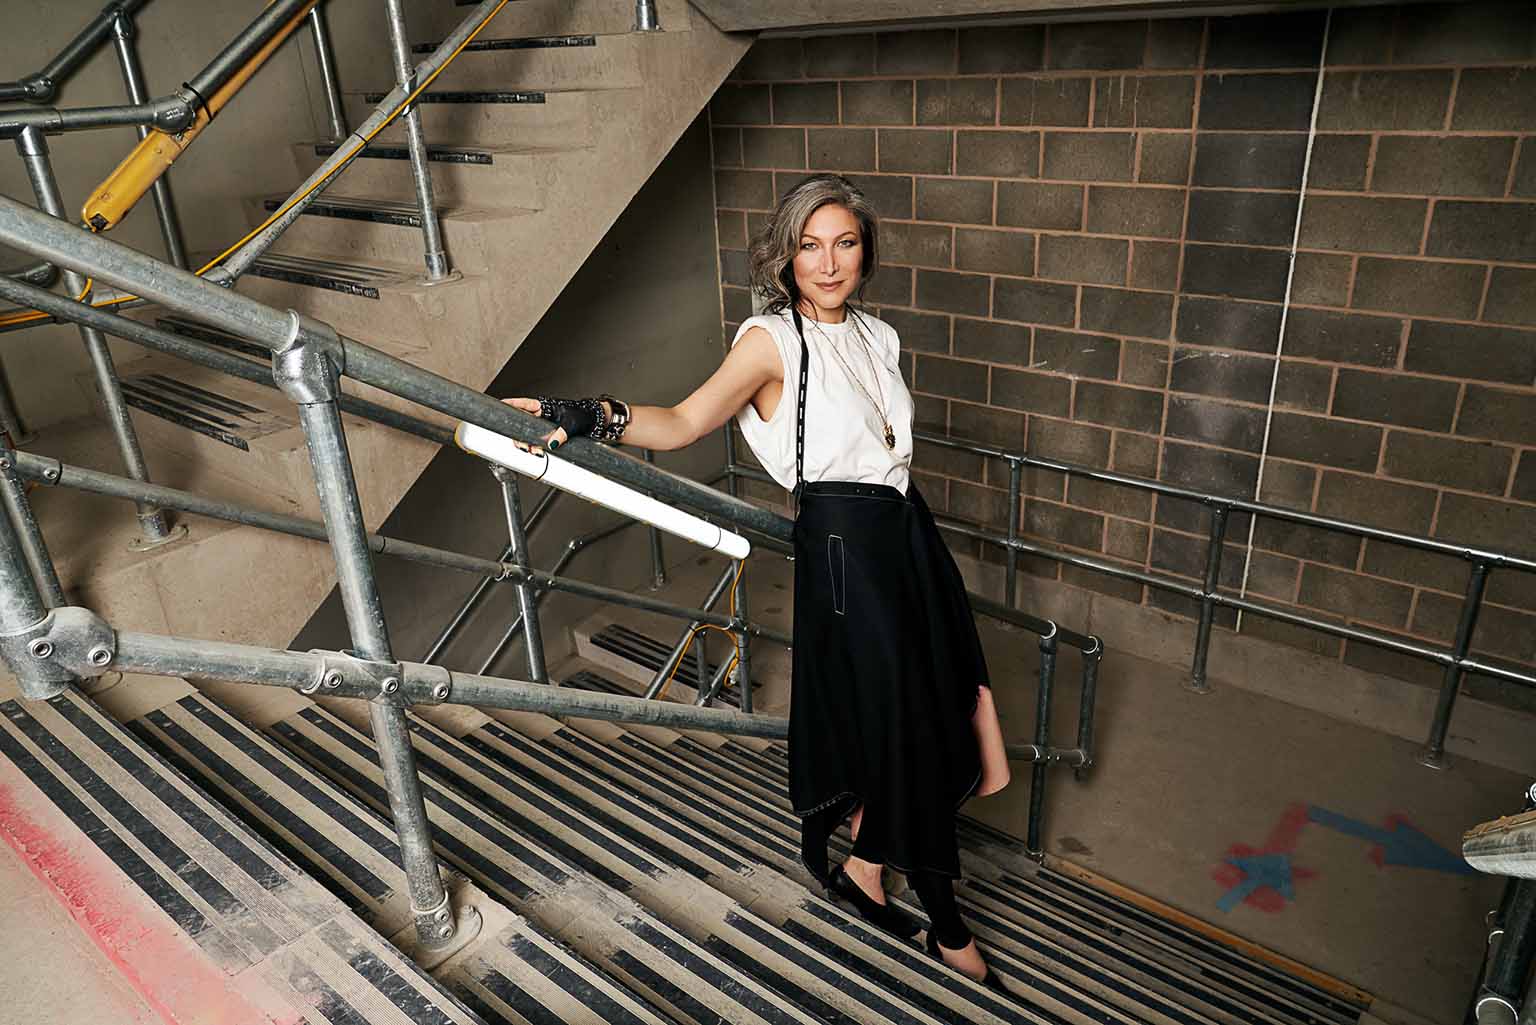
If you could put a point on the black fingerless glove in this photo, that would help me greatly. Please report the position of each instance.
(584, 418)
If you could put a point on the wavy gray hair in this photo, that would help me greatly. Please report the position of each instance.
(773, 249)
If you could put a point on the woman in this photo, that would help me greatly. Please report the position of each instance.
(888, 673)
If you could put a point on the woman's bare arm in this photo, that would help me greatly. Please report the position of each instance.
(751, 363)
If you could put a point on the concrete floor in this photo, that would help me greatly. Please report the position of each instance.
(54, 974)
(1184, 782)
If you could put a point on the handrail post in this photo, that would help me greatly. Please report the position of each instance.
(25, 622)
(669, 665)
(732, 486)
(306, 371)
(123, 33)
(13, 493)
(1433, 754)
(326, 57)
(33, 148)
(743, 641)
(1197, 679)
(527, 601)
(658, 564)
(1091, 661)
(1502, 990)
(10, 419)
(1011, 576)
(1037, 771)
(646, 18)
(431, 231)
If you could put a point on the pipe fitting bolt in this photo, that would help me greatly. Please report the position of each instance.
(390, 684)
(40, 647)
(331, 680)
(440, 691)
(99, 656)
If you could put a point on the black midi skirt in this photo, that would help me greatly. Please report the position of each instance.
(885, 669)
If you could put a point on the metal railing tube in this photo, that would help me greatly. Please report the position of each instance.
(731, 485)
(1214, 546)
(658, 563)
(193, 351)
(416, 142)
(10, 419)
(484, 587)
(646, 18)
(326, 57)
(1091, 661)
(669, 665)
(1034, 624)
(41, 273)
(1011, 572)
(313, 186)
(40, 86)
(24, 619)
(34, 152)
(307, 376)
(533, 639)
(116, 264)
(13, 493)
(1509, 968)
(133, 81)
(1433, 754)
(710, 683)
(244, 46)
(1037, 771)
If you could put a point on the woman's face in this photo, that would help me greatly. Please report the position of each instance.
(830, 258)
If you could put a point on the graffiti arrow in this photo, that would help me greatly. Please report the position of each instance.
(1397, 843)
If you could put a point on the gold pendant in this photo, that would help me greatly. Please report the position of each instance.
(890, 437)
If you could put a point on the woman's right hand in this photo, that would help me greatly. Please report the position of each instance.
(553, 440)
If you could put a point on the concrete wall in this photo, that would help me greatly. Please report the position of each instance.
(641, 319)
(245, 152)
(1088, 230)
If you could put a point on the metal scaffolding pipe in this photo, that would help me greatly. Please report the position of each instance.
(326, 57)
(1503, 847)
(133, 81)
(416, 143)
(527, 601)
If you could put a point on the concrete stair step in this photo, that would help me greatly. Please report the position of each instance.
(543, 62)
(354, 229)
(637, 654)
(548, 117)
(511, 972)
(576, 886)
(206, 920)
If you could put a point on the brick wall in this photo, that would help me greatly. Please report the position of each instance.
(1087, 232)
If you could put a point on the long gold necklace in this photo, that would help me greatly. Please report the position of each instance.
(885, 420)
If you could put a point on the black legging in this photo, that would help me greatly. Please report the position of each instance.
(934, 890)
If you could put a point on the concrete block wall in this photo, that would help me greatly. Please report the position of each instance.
(1088, 239)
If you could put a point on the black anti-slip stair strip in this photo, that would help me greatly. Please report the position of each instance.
(687, 772)
(559, 767)
(793, 992)
(145, 876)
(469, 96)
(527, 43)
(1229, 995)
(709, 972)
(690, 1007)
(527, 850)
(438, 153)
(723, 767)
(549, 784)
(1020, 1012)
(588, 680)
(1339, 1008)
(335, 1007)
(580, 822)
(153, 777)
(323, 873)
(391, 984)
(826, 971)
(652, 654)
(280, 813)
(211, 398)
(591, 997)
(116, 804)
(617, 766)
(213, 336)
(747, 756)
(139, 400)
(495, 876)
(402, 215)
(357, 281)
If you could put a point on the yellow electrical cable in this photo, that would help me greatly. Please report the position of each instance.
(18, 318)
(735, 656)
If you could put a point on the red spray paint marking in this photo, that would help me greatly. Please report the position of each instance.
(1282, 840)
(161, 963)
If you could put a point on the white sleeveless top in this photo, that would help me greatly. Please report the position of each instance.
(844, 434)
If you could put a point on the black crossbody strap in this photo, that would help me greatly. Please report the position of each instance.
(805, 360)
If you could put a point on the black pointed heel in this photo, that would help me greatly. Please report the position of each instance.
(992, 981)
(881, 916)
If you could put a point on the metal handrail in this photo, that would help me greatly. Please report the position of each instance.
(40, 86)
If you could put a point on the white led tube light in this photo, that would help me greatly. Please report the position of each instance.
(583, 483)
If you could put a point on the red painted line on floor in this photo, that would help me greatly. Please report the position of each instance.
(162, 964)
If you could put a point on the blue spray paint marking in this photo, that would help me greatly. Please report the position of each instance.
(1260, 870)
(1401, 844)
